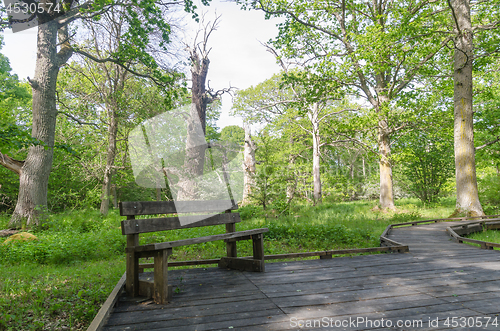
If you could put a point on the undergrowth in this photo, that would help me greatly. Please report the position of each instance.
(59, 281)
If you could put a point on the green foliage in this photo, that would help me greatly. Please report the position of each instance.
(489, 186)
(55, 297)
(427, 161)
(13, 94)
(213, 115)
(233, 134)
(268, 180)
(68, 238)
(61, 280)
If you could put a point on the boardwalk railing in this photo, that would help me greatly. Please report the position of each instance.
(465, 229)
(486, 219)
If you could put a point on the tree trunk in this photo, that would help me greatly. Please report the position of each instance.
(196, 146)
(465, 162)
(364, 170)
(291, 187)
(386, 190)
(115, 196)
(110, 160)
(313, 117)
(34, 179)
(248, 165)
(194, 159)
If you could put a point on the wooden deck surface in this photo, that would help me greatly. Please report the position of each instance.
(436, 280)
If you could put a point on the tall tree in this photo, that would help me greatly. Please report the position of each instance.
(463, 62)
(54, 48)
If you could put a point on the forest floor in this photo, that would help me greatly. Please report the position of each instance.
(59, 281)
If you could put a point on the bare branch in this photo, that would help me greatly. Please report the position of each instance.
(488, 144)
(120, 63)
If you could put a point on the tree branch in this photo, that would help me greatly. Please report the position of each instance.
(117, 62)
(11, 164)
(487, 144)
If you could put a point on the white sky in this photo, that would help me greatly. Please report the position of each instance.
(237, 58)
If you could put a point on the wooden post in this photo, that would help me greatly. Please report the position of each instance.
(231, 246)
(258, 249)
(132, 282)
(162, 294)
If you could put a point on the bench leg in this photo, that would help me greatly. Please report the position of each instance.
(162, 291)
(132, 281)
(258, 249)
(231, 246)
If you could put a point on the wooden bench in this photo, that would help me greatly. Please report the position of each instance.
(132, 227)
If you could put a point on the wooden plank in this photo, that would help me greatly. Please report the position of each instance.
(181, 263)
(390, 241)
(132, 263)
(172, 223)
(100, 319)
(184, 242)
(400, 249)
(161, 295)
(241, 264)
(445, 219)
(174, 207)
(231, 246)
(258, 247)
(146, 288)
(386, 231)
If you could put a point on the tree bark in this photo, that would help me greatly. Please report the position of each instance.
(110, 160)
(248, 165)
(313, 117)
(34, 178)
(465, 162)
(386, 189)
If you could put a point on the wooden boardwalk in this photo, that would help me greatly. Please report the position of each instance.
(438, 279)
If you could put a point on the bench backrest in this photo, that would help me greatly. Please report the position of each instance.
(134, 208)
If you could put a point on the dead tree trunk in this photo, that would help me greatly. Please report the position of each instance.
(201, 96)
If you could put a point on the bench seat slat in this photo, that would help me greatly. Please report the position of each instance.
(135, 226)
(184, 242)
(133, 208)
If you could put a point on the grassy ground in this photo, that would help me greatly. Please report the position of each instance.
(59, 281)
(492, 236)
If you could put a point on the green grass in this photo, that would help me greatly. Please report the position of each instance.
(492, 236)
(55, 297)
(60, 281)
